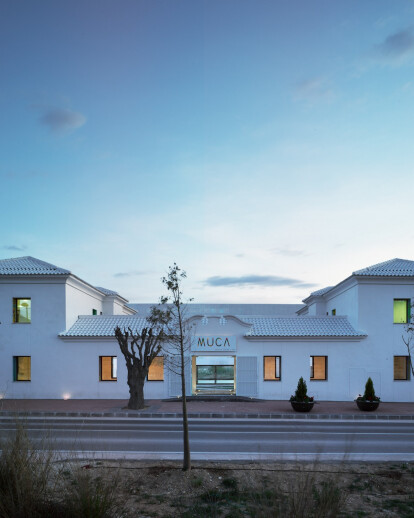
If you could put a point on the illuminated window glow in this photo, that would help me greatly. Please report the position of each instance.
(22, 368)
(401, 311)
(401, 368)
(108, 366)
(318, 367)
(156, 370)
(271, 368)
(22, 311)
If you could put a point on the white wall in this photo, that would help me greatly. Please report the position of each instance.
(345, 300)
(71, 366)
(81, 299)
(38, 339)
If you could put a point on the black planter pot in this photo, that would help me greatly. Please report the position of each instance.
(302, 406)
(367, 406)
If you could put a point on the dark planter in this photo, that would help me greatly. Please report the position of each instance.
(367, 406)
(302, 406)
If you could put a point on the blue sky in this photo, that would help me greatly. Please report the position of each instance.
(265, 146)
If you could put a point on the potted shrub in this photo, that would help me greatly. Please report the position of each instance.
(301, 402)
(369, 401)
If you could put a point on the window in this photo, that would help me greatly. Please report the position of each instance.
(318, 367)
(94, 312)
(401, 311)
(271, 368)
(401, 368)
(156, 370)
(21, 368)
(22, 311)
(333, 312)
(108, 368)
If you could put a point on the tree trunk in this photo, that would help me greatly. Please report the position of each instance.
(136, 391)
(186, 441)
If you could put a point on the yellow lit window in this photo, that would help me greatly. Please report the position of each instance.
(401, 368)
(271, 368)
(108, 368)
(401, 311)
(318, 370)
(22, 368)
(156, 370)
(22, 311)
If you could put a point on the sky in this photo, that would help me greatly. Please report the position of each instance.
(266, 147)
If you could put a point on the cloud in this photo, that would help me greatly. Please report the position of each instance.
(58, 120)
(15, 248)
(313, 90)
(288, 252)
(257, 280)
(397, 47)
(130, 274)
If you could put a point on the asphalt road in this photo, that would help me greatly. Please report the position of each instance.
(221, 439)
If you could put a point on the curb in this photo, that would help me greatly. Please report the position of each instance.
(212, 415)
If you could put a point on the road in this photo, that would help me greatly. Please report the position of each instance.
(222, 439)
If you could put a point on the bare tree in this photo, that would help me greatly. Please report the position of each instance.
(171, 314)
(139, 350)
(408, 339)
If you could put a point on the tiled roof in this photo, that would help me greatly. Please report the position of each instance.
(29, 266)
(394, 268)
(320, 292)
(103, 325)
(107, 292)
(301, 326)
(229, 309)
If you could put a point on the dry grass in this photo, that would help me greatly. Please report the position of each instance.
(34, 485)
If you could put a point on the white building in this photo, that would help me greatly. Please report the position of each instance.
(57, 339)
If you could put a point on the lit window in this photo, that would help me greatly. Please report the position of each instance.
(318, 367)
(401, 368)
(271, 368)
(108, 368)
(22, 311)
(156, 369)
(401, 311)
(21, 368)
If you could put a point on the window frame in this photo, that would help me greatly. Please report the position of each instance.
(407, 368)
(408, 311)
(280, 368)
(163, 369)
(112, 368)
(312, 367)
(16, 369)
(16, 312)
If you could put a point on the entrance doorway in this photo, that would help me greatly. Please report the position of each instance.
(213, 374)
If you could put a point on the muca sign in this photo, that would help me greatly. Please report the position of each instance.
(214, 343)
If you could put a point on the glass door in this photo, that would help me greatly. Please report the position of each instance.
(215, 374)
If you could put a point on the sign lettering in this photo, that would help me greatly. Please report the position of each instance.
(213, 343)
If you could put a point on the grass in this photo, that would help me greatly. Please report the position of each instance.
(304, 499)
(32, 485)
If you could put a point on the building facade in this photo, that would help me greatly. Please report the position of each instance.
(57, 339)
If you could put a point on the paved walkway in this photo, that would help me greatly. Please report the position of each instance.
(254, 409)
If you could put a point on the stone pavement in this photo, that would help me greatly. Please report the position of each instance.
(250, 409)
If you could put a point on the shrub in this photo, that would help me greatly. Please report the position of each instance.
(301, 393)
(88, 496)
(369, 393)
(26, 478)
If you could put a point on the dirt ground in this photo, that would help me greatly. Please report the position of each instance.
(232, 490)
